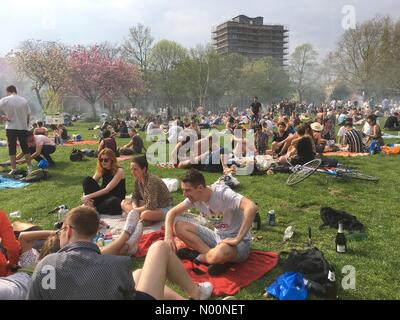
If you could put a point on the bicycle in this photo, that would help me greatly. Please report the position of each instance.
(302, 172)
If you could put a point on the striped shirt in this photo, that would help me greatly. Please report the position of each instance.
(354, 140)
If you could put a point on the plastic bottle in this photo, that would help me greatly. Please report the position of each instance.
(15, 214)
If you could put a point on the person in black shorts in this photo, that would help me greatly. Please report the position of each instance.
(16, 113)
(255, 110)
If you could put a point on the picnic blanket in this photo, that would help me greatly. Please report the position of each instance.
(229, 283)
(390, 136)
(6, 183)
(124, 158)
(345, 154)
(79, 143)
(391, 150)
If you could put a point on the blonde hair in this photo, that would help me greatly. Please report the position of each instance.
(114, 162)
(51, 245)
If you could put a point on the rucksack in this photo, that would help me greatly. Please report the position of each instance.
(76, 155)
(315, 268)
(89, 153)
(331, 218)
(36, 176)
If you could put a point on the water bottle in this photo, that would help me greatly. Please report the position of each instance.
(271, 217)
(62, 212)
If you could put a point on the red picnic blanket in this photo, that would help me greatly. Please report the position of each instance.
(229, 283)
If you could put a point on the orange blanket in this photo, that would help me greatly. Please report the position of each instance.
(345, 154)
(229, 283)
(80, 143)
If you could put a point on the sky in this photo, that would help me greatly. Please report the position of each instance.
(189, 22)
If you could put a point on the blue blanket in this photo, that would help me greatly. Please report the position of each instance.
(6, 183)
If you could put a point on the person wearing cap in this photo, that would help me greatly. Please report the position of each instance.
(319, 142)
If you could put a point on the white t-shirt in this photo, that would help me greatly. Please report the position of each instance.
(17, 110)
(173, 134)
(150, 127)
(342, 132)
(222, 211)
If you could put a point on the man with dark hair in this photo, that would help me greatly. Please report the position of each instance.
(17, 116)
(393, 122)
(353, 139)
(230, 213)
(255, 109)
(135, 146)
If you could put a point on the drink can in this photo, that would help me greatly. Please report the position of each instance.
(16, 214)
(271, 217)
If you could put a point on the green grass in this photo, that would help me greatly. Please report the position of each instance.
(375, 204)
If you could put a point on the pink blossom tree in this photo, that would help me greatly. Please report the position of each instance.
(97, 73)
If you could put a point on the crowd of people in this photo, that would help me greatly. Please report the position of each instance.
(296, 138)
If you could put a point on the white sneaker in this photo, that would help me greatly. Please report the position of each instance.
(12, 172)
(206, 290)
(133, 241)
(131, 221)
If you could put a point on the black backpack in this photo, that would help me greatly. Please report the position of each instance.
(76, 155)
(315, 269)
(331, 218)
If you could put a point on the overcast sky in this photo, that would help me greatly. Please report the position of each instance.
(188, 22)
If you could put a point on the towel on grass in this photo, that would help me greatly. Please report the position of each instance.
(80, 143)
(345, 154)
(6, 183)
(229, 283)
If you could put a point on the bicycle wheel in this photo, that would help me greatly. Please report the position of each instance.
(356, 175)
(306, 170)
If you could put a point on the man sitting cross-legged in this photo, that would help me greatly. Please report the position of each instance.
(229, 212)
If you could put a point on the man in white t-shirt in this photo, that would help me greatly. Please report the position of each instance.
(17, 116)
(174, 132)
(230, 213)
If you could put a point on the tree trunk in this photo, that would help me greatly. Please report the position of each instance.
(37, 91)
(93, 105)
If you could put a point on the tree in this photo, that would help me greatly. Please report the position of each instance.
(358, 57)
(136, 49)
(97, 73)
(165, 59)
(303, 62)
(45, 63)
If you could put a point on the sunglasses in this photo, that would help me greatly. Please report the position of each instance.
(105, 160)
(62, 229)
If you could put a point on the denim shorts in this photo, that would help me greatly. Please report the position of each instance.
(166, 209)
(212, 240)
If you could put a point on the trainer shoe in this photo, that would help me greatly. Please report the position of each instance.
(133, 241)
(187, 254)
(12, 172)
(131, 221)
(206, 290)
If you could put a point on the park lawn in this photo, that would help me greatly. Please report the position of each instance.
(376, 260)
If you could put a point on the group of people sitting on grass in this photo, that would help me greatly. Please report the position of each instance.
(71, 256)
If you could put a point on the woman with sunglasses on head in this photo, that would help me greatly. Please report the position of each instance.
(105, 198)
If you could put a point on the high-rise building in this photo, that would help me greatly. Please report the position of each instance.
(250, 37)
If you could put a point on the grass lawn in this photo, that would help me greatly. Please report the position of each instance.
(376, 260)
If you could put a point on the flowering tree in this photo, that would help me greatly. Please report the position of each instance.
(97, 73)
(45, 64)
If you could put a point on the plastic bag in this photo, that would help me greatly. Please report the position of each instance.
(172, 184)
(289, 286)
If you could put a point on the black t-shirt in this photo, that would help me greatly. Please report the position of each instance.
(120, 189)
(392, 122)
(278, 138)
(255, 107)
(137, 144)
